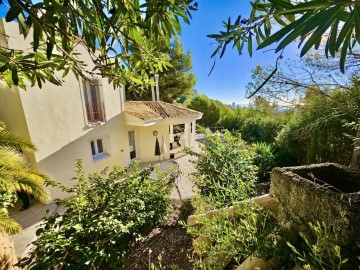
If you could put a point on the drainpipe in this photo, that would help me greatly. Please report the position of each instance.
(157, 87)
(152, 88)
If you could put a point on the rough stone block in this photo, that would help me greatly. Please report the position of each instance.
(327, 193)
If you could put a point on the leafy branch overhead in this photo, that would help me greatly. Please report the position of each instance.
(333, 25)
(117, 35)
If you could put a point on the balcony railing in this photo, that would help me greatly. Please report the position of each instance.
(95, 111)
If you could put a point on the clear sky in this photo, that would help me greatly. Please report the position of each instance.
(232, 73)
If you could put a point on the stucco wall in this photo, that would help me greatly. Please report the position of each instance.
(11, 111)
(146, 141)
(54, 119)
(55, 115)
(61, 164)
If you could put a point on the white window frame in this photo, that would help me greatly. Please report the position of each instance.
(83, 99)
(106, 153)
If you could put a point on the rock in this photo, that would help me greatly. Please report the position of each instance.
(199, 243)
(327, 193)
(255, 263)
(266, 201)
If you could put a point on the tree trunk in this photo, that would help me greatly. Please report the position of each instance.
(8, 256)
(355, 162)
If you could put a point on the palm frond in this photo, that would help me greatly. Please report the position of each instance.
(35, 189)
(17, 174)
(9, 225)
(2, 125)
(12, 141)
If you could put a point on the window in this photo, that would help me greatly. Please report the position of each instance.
(99, 148)
(132, 147)
(95, 110)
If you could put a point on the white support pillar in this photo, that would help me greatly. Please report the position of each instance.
(171, 133)
(193, 129)
(187, 134)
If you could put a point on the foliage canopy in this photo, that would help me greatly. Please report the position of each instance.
(224, 169)
(117, 35)
(334, 24)
(108, 210)
(174, 82)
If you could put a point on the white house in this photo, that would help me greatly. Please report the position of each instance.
(86, 120)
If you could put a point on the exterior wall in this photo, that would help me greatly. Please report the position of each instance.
(146, 141)
(12, 114)
(61, 164)
(11, 111)
(54, 119)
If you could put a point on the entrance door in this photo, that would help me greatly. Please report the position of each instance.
(132, 148)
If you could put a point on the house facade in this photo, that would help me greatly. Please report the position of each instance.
(87, 120)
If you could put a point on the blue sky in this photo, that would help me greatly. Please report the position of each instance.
(228, 81)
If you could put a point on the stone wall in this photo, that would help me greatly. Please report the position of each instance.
(303, 200)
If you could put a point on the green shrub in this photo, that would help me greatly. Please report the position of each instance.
(106, 212)
(322, 131)
(319, 251)
(264, 160)
(233, 239)
(260, 129)
(224, 169)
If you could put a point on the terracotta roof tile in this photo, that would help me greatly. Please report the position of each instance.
(156, 110)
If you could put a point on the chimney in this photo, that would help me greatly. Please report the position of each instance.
(157, 87)
(122, 98)
(152, 87)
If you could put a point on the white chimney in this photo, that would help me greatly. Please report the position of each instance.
(152, 87)
(122, 97)
(157, 87)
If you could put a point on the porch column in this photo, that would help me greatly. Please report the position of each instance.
(187, 133)
(193, 129)
(171, 133)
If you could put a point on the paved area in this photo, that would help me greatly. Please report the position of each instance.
(30, 219)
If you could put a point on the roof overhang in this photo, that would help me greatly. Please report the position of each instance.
(135, 121)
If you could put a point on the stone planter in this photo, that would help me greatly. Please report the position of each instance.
(327, 193)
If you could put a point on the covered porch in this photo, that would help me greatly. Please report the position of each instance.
(150, 127)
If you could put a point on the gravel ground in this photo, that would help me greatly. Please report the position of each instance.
(170, 241)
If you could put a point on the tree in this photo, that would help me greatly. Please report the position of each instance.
(117, 35)
(177, 80)
(332, 25)
(210, 108)
(16, 174)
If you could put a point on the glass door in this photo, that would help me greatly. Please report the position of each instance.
(132, 148)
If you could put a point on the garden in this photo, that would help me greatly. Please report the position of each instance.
(115, 220)
(278, 188)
